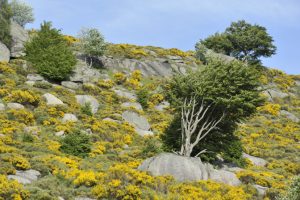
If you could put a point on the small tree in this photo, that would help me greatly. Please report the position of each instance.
(91, 43)
(22, 13)
(5, 16)
(243, 41)
(191, 133)
(232, 88)
(50, 54)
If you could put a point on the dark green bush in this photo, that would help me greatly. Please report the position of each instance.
(143, 96)
(76, 143)
(50, 54)
(87, 109)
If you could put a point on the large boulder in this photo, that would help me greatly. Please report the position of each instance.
(290, 116)
(69, 118)
(125, 94)
(25, 177)
(255, 160)
(84, 74)
(19, 37)
(135, 105)
(52, 100)
(87, 99)
(4, 53)
(151, 67)
(34, 77)
(70, 85)
(186, 169)
(15, 106)
(140, 123)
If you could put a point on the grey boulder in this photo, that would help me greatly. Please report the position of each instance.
(15, 106)
(261, 190)
(34, 77)
(163, 105)
(186, 169)
(87, 99)
(25, 177)
(140, 123)
(70, 85)
(69, 118)
(4, 53)
(135, 105)
(290, 116)
(255, 160)
(125, 94)
(52, 100)
(19, 37)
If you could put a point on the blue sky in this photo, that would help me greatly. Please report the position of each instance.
(177, 23)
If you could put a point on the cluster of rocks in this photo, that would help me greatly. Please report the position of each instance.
(19, 37)
(25, 177)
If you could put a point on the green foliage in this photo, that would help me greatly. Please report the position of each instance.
(91, 42)
(22, 12)
(87, 109)
(77, 144)
(50, 54)
(293, 192)
(5, 16)
(42, 84)
(232, 88)
(243, 41)
(143, 96)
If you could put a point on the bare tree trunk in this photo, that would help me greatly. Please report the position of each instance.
(190, 122)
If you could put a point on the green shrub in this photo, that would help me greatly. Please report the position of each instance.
(5, 16)
(87, 109)
(50, 54)
(42, 84)
(77, 144)
(293, 192)
(143, 96)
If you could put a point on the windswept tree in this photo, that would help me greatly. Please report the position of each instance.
(22, 13)
(233, 91)
(91, 43)
(197, 122)
(243, 41)
(5, 16)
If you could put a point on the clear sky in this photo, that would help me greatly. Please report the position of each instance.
(177, 23)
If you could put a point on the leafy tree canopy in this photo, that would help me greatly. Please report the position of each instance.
(243, 41)
(232, 88)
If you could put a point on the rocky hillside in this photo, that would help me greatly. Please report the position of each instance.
(92, 137)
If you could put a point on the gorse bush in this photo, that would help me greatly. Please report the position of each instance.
(50, 54)
(5, 16)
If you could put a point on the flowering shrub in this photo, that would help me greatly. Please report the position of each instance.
(23, 96)
(270, 108)
(22, 116)
(105, 84)
(119, 78)
(6, 69)
(11, 189)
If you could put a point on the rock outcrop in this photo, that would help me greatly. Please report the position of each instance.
(15, 106)
(135, 105)
(4, 53)
(19, 37)
(186, 169)
(25, 177)
(152, 67)
(140, 123)
(290, 116)
(255, 160)
(87, 99)
(125, 94)
(52, 100)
